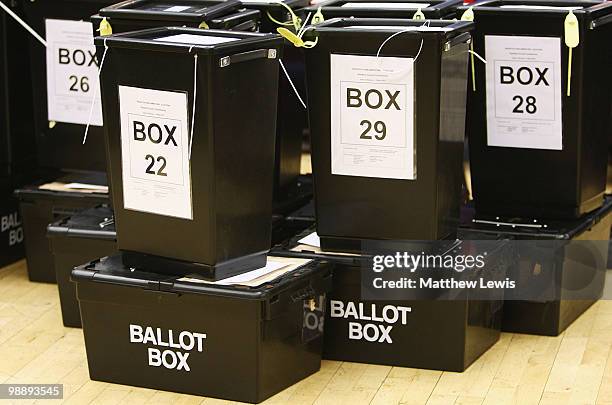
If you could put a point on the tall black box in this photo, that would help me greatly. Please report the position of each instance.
(535, 150)
(399, 174)
(200, 171)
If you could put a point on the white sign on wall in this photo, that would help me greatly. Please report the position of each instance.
(372, 116)
(72, 73)
(155, 152)
(523, 88)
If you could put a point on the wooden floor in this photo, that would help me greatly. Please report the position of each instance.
(574, 368)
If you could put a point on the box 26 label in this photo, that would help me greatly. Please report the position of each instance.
(72, 73)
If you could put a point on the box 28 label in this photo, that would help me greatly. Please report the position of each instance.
(72, 73)
(372, 116)
(154, 152)
(523, 88)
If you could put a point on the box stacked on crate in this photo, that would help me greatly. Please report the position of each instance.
(387, 157)
(538, 125)
(191, 152)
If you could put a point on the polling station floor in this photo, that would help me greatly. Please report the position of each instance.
(573, 368)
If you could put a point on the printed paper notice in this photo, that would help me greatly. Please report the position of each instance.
(524, 92)
(72, 73)
(155, 152)
(372, 117)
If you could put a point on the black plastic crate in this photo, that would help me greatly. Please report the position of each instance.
(406, 185)
(534, 150)
(60, 144)
(142, 14)
(11, 229)
(40, 206)
(431, 334)
(239, 343)
(85, 236)
(561, 268)
(17, 153)
(436, 9)
(213, 196)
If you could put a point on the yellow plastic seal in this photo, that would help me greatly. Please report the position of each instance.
(468, 15)
(203, 25)
(290, 36)
(318, 17)
(572, 39)
(418, 15)
(105, 28)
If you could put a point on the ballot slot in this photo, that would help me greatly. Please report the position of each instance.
(386, 9)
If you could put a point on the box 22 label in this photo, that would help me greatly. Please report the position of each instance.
(155, 152)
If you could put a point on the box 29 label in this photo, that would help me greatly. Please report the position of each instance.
(523, 87)
(154, 152)
(372, 116)
(72, 73)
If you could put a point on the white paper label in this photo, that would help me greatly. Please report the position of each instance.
(311, 239)
(386, 5)
(72, 73)
(523, 83)
(191, 39)
(177, 9)
(372, 116)
(155, 151)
